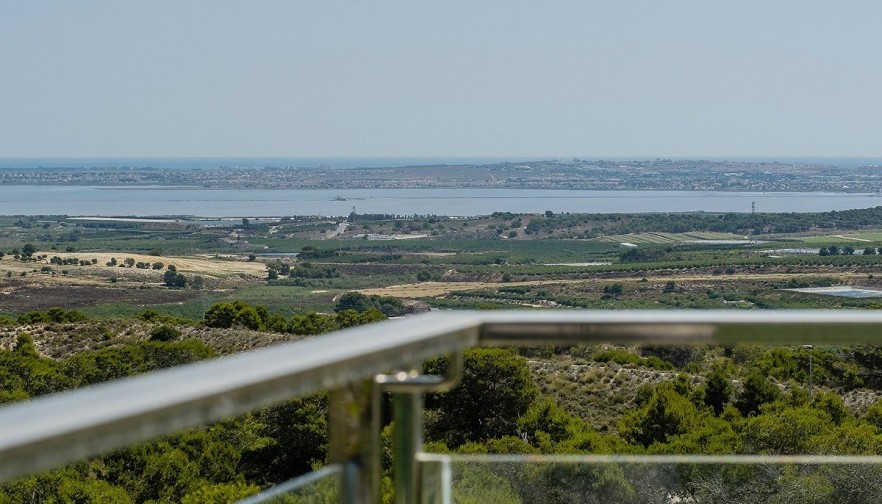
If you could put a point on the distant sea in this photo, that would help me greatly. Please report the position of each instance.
(162, 201)
(185, 163)
(375, 162)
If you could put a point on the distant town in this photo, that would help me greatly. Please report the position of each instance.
(658, 174)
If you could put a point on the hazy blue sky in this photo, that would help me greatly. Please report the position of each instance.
(440, 78)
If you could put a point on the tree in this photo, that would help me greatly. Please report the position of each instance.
(667, 414)
(873, 415)
(227, 315)
(220, 315)
(28, 249)
(24, 345)
(870, 251)
(390, 306)
(313, 323)
(58, 315)
(717, 390)
(220, 492)
(831, 403)
(349, 318)
(158, 265)
(787, 432)
(496, 389)
(293, 438)
(756, 392)
(174, 279)
(546, 421)
(641, 255)
(247, 316)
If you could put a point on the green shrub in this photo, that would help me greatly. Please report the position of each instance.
(164, 333)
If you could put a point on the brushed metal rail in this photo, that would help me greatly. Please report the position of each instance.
(53, 430)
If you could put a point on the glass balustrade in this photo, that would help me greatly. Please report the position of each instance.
(571, 479)
(318, 487)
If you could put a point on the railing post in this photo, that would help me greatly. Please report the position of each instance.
(407, 436)
(407, 441)
(350, 441)
(436, 480)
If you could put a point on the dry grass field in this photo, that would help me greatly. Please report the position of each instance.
(206, 266)
(40, 285)
(434, 289)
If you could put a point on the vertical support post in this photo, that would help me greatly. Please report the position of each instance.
(406, 443)
(437, 480)
(350, 441)
(407, 436)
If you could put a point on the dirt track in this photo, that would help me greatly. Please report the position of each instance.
(433, 289)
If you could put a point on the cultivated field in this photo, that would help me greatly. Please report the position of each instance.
(671, 238)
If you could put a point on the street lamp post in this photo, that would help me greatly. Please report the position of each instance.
(809, 348)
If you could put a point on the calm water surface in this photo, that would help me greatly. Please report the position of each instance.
(156, 201)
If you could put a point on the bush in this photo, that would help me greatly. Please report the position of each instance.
(226, 315)
(173, 279)
(756, 392)
(165, 333)
(613, 291)
(55, 314)
(389, 306)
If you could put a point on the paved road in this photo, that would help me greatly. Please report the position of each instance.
(341, 228)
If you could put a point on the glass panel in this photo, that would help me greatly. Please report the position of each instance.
(665, 480)
(317, 487)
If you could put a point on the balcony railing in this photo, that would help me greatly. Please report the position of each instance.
(355, 364)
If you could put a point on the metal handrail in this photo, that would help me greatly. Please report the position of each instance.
(57, 429)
